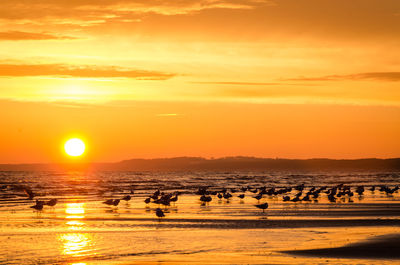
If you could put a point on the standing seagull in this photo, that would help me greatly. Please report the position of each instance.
(262, 206)
(52, 202)
(258, 197)
(174, 199)
(109, 202)
(39, 205)
(126, 198)
(160, 213)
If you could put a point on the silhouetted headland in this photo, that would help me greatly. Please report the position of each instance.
(220, 164)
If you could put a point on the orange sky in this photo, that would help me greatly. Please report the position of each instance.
(152, 78)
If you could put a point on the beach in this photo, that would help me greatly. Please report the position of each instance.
(81, 229)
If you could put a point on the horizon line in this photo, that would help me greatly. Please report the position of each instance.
(205, 158)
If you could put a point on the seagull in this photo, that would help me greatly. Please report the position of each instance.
(40, 202)
(29, 192)
(331, 198)
(205, 198)
(109, 202)
(155, 195)
(306, 198)
(174, 199)
(39, 205)
(258, 197)
(241, 196)
(126, 198)
(147, 200)
(227, 195)
(112, 202)
(296, 199)
(262, 206)
(360, 190)
(52, 202)
(160, 213)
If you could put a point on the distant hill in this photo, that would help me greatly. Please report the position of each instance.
(220, 164)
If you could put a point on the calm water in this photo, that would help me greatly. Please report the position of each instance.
(80, 229)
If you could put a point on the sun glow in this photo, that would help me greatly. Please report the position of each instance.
(74, 147)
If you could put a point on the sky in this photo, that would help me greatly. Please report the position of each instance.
(210, 78)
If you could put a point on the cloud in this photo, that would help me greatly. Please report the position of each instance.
(168, 115)
(238, 83)
(380, 76)
(262, 19)
(19, 70)
(22, 35)
(101, 11)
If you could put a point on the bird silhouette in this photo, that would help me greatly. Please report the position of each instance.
(109, 202)
(262, 206)
(175, 198)
(29, 193)
(205, 198)
(52, 202)
(160, 213)
(227, 195)
(39, 205)
(258, 197)
(126, 198)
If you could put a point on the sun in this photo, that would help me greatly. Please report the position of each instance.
(74, 147)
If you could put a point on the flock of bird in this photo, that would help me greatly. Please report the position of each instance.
(298, 193)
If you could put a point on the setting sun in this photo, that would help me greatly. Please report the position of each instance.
(74, 147)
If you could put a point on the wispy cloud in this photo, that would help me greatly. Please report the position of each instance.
(168, 115)
(89, 71)
(381, 76)
(22, 35)
(238, 83)
(101, 11)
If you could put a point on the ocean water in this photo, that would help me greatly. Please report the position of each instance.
(80, 229)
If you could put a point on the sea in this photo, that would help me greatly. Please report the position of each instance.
(82, 229)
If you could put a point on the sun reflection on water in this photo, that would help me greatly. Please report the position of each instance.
(75, 225)
(75, 244)
(75, 210)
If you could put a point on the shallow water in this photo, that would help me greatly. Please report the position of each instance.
(80, 229)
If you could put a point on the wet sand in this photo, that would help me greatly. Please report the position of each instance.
(383, 247)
